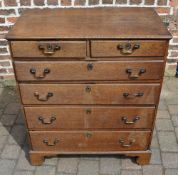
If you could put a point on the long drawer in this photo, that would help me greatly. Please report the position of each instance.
(89, 117)
(89, 93)
(80, 70)
(109, 48)
(58, 49)
(72, 141)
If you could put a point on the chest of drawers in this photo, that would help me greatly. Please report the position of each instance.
(89, 79)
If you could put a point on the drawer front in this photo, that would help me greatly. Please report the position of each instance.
(71, 141)
(90, 93)
(48, 49)
(108, 48)
(77, 70)
(89, 117)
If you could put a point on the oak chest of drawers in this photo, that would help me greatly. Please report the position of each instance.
(89, 79)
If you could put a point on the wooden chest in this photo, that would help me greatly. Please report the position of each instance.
(89, 79)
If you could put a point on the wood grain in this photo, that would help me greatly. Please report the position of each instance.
(89, 117)
(88, 23)
(79, 70)
(109, 48)
(97, 141)
(31, 49)
(100, 93)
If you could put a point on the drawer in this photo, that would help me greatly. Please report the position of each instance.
(80, 70)
(116, 48)
(89, 117)
(89, 93)
(71, 141)
(37, 49)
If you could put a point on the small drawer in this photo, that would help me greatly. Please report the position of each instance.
(89, 93)
(117, 48)
(71, 141)
(89, 117)
(81, 71)
(59, 49)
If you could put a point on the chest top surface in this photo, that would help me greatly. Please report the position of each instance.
(89, 23)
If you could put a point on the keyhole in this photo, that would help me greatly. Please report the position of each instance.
(88, 89)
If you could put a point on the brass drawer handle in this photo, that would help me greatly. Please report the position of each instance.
(47, 121)
(90, 66)
(34, 72)
(133, 74)
(43, 97)
(128, 48)
(125, 120)
(122, 143)
(49, 48)
(49, 143)
(128, 95)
